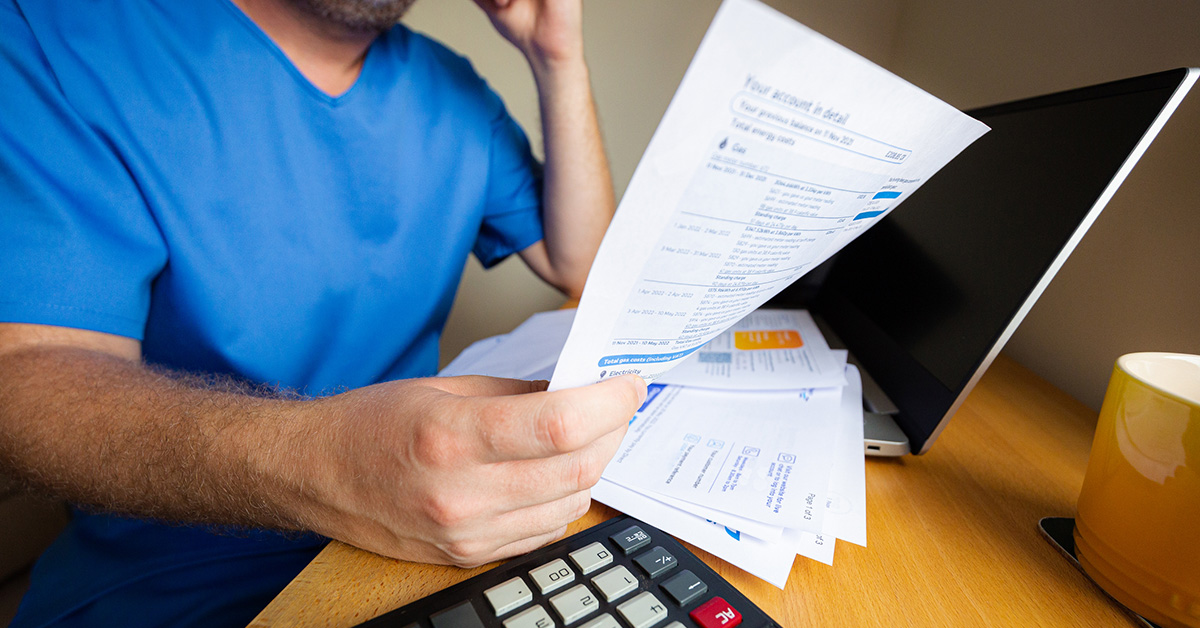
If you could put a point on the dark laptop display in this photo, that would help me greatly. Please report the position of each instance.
(926, 299)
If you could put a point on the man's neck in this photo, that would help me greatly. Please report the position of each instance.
(329, 56)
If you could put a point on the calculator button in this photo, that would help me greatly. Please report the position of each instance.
(615, 583)
(509, 596)
(604, 621)
(461, 615)
(684, 587)
(630, 539)
(574, 604)
(643, 611)
(591, 558)
(656, 562)
(716, 613)
(552, 576)
(674, 624)
(535, 617)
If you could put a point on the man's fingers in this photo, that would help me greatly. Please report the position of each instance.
(524, 546)
(544, 518)
(520, 526)
(527, 483)
(554, 423)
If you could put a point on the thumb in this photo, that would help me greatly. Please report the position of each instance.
(559, 422)
(610, 403)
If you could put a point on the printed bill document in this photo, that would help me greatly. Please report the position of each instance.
(778, 148)
(763, 456)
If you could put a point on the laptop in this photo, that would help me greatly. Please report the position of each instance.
(925, 300)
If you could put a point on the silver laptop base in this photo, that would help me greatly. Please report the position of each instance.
(882, 437)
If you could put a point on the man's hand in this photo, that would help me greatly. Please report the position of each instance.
(545, 31)
(458, 470)
(465, 470)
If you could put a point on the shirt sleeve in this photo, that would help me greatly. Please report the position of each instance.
(78, 245)
(513, 213)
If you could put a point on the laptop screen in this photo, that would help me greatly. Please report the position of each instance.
(927, 297)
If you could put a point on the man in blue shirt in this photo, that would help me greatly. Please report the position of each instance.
(204, 202)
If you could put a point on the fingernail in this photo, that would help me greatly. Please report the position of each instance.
(642, 390)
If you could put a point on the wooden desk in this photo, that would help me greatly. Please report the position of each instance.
(953, 535)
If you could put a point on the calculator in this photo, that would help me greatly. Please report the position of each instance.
(622, 573)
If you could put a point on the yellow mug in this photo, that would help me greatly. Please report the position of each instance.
(1137, 533)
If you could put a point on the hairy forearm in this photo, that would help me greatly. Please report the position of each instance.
(578, 193)
(461, 470)
(106, 432)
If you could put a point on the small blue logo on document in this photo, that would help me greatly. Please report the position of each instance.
(734, 534)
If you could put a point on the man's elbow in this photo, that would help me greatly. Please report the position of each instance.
(566, 275)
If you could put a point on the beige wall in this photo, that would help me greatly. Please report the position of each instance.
(1132, 284)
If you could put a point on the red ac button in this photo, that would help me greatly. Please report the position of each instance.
(716, 613)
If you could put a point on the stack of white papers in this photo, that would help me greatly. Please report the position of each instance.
(753, 474)
(757, 468)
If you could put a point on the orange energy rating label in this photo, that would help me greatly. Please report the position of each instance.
(764, 339)
(766, 350)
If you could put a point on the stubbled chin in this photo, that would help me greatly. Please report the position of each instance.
(357, 15)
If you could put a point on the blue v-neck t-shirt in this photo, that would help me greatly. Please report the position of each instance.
(166, 174)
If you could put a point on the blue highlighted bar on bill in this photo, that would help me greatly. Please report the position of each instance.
(652, 358)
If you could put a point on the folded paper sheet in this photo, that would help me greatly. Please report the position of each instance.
(778, 149)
